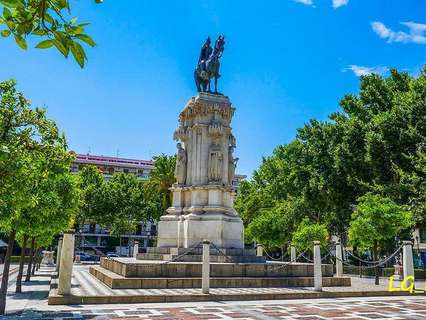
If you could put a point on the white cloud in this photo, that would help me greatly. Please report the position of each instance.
(306, 2)
(339, 3)
(416, 32)
(363, 71)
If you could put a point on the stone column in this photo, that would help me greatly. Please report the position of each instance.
(292, 253)
(58, 255)
(206, 267)
(67, 255)
(259, 250)
(135, 249)
(339, 260)
(407, 259)
(317, 267)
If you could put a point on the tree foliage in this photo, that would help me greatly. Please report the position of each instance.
(162, 177)
(376, 221)
(375, 143)
(306, 233)
(48, 20)
(38, 195)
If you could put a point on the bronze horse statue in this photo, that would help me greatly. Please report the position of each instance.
(209, 65)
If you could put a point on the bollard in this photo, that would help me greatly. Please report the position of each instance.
(292, 253)
(206, 267)
(407, 260)
(259, 250)
(58, 255)
(135, 249)
(317, 267)
(67, 255)
(339, 260)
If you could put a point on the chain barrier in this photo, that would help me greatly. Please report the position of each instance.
(285, 264)
(221, 252)
(152, 265)
(377, 264)
(367, 261)
(272, 258)
(306, 258)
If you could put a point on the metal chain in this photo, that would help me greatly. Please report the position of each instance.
(372, 266)
(284, 265)
(371, 262)
(152, 265)
(221, 252)
(272, 258)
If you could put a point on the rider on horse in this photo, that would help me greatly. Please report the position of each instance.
(208, 64)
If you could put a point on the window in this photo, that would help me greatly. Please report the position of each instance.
(126, 170)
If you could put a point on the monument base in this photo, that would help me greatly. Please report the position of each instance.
(184, 231)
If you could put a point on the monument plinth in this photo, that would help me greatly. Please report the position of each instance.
(203, 194)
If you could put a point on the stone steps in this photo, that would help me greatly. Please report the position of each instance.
(199, 257)
(199, 251)
(132, 268)
(115, 281)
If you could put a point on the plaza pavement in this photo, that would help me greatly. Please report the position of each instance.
(32, 304)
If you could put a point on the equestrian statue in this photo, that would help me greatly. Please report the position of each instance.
(208, 65)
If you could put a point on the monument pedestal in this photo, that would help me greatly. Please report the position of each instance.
(203, 196)
(188, 230)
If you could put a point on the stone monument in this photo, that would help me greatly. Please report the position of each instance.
(203, 194)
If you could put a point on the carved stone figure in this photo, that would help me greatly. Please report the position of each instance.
(232, 164)
(180, 170)
(215, 164)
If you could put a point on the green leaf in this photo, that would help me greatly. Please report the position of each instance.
(78, 53)
(39, 32)
(44, 44)
(73, 20)
(5, 33)
(85, 38)
(7, 13)
(10, 3)
(62, 49)
(21, 42)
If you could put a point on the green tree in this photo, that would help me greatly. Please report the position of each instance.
(308, 232)
(34, 174)
(376, 221)
(48, 20)
(162, 177)
(124, 203)
(91, 184)
(273, 226)
(375, 143)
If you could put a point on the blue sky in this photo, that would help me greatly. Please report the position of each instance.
(285, 62)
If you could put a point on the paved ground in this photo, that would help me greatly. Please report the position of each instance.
(390, 308)
(32, 304)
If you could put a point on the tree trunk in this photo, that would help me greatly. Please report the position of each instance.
(36, 257)
(21, 265)
(376, 269)
(30, 262)
(5, 278)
